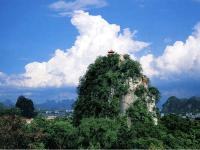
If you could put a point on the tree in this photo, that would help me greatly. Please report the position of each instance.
(138, 112)
(60, 134)
(142, 134)
(35, 133)
(8, 111)
(180, 133)
(155, 92)
(26, 106)
(101, 88)
(12, 133)
(98, 133)
(2, 108)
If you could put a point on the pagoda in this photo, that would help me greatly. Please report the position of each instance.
(110, 52)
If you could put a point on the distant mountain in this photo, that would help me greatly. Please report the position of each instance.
(56, 105)
(47, 105)
(8, 103)
(181, 106)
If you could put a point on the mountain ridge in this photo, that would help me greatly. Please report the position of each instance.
(181, 105)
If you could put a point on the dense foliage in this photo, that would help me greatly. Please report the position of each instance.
(182, 106)
(172, 132)
(12, 132)
(8, 110)
(26, 106)
(103, 85)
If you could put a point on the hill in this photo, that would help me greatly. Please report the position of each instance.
(115, 85)
(182, 106)
(55, 105)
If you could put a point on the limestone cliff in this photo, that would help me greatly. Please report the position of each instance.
(130, 97)
(111, 85)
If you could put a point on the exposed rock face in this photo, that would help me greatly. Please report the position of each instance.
(152, 108)
(131, 97)
(110, 86)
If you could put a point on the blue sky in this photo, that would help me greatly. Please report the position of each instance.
(31, 31)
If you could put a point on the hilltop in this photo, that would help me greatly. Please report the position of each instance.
(114, 85)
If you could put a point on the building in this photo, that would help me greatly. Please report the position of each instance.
(110, 52)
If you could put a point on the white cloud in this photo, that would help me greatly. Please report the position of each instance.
(10, 80)
(179, 59)
(65, 8)
(147, 65)
(96, 37)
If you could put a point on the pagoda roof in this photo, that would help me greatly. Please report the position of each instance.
(111, 51)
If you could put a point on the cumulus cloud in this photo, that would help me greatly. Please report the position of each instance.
(147, 63)
(179, 59)
(10, 80)
(65, 8)
(96, 37)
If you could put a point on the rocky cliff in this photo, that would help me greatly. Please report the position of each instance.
(111, 85)
(130, 97)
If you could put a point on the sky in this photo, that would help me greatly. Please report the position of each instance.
(45, 46)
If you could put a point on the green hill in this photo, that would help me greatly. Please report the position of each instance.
(113, 85)
(182, 106)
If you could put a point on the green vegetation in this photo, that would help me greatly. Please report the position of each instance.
(12, 132)
(97, 122)
(171, 132)
(105, 82)
(8, 111)
(104, 77)
(138, 113)
(182, 106)
(26, 106)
